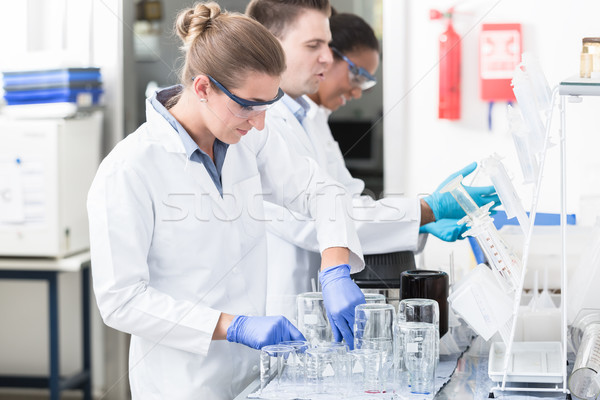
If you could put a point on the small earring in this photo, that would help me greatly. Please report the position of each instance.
(203, 100)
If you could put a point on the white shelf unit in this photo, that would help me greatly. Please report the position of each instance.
(573, 89)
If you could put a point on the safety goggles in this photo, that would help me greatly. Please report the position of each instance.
(359, 77)
(243, 108)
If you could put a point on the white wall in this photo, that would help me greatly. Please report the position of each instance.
(422, 150)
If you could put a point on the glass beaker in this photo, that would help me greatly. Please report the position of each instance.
(324, 369)
(418, 341)
(421, 310)
(297, 363)
(374, 329)
(312, 318)
(364, 367)
(374, 298)
(276, 379)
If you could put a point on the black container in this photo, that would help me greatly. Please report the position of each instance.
(426, 284)
(383, 271)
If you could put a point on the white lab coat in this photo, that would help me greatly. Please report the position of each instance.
(387, 225)
(169, 254)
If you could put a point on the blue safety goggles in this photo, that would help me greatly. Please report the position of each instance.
(243, 108)
(359, 77)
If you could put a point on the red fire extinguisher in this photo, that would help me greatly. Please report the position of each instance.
(449, 64)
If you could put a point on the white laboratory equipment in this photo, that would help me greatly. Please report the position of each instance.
(46, 168)
(542, 363)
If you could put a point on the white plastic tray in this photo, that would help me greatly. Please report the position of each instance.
(535, 362)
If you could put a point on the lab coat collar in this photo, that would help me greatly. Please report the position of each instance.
(315, 108)
(160, 130)
(299, 107)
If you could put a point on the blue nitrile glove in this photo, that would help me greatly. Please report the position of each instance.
(341, 296)
(257, 332)
(444, 205)
(446, 229)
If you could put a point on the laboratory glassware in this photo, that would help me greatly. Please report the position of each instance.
(506, 265)
(584, 381)
(418, 340)
(325, 370)
(591, 45)
(374, 298)
(427, 284)
(297, 363)
(374, 329)
(421, 310)
(364, 367)
(312, 318)
(277, 380)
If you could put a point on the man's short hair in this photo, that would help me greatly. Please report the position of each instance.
(277, 15)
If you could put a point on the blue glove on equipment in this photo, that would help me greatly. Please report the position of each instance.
(257, 332)
(340, 295)
(444, 205)
(446, 229)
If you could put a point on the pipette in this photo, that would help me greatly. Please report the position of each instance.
(504, 263)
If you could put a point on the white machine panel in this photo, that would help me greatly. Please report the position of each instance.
(46, 169)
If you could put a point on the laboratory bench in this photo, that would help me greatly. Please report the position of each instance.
(468, 378)
(48, 270)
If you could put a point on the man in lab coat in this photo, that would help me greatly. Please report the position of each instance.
(387, 225)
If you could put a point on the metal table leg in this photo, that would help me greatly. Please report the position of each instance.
(86, 351)
(54, 338)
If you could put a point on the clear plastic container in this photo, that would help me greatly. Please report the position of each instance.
(482, 303)
(523, 144)
(494, 168)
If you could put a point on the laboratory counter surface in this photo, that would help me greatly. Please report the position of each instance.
(46, 269)
(468, 379)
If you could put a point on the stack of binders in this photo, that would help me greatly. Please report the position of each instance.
(79, 86)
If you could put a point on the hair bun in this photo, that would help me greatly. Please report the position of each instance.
(193, 22)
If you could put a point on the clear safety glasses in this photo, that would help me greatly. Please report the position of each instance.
(359, 77)
(243, 108)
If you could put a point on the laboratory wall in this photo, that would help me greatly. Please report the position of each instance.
(420, 150)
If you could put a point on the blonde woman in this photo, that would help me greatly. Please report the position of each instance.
(177, 222)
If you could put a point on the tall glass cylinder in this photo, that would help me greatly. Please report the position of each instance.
(584, 381)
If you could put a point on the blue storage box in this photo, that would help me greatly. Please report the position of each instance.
(62, 76)
(54, 95)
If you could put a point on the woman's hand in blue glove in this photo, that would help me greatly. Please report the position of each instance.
(257, 332)
(444, 205)
(447, 230)
(341, 296)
